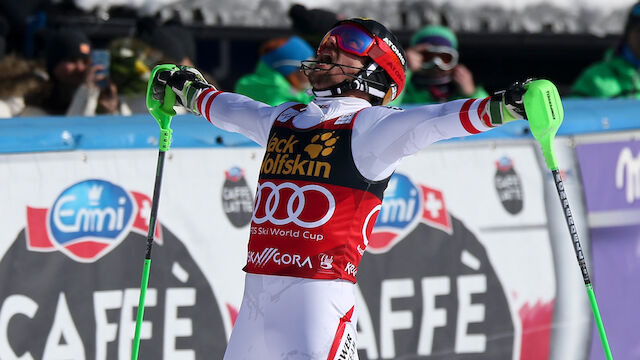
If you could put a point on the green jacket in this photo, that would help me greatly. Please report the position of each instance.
(270, 87)
(612, 77)
(413, 95)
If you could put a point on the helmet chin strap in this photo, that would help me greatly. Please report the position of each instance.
(359, 82)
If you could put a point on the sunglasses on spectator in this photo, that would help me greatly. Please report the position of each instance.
(443, 57)
(350, 38)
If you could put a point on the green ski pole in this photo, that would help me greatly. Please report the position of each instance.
(545, 113)
(163, 112)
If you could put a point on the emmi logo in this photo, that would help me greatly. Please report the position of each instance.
(283, 156)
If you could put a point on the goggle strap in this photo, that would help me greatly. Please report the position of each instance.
(371, 68)
(375, 92)
(389, 63)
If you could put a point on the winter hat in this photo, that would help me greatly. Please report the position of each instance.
(286, 58)
(311, 21)
(175, 41)
(435, 35)
(66, 44)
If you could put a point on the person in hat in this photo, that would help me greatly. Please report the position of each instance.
(435, 74)
(618, 74)
(277, 78)
(134, 56)
(173, 40)
(74, 87)
(312, 24)
(321, 183)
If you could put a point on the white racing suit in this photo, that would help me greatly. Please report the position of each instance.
(320, 190)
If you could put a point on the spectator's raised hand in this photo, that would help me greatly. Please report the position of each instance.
(93, 76)
(414, 58)
(108, 102)
(463, 77)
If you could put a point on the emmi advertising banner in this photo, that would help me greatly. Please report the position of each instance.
(458, 266)
(73, 241)
(459, 263)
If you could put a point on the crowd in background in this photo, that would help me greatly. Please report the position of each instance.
(59, 72)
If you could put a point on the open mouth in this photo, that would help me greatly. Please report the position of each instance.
(324, 58)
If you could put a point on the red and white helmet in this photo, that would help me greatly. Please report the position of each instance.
(384, 76)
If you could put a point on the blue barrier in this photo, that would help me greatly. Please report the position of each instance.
(141, 131)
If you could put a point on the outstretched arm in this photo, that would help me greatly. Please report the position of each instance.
(237, 113)
(228, 111)
(383, 136)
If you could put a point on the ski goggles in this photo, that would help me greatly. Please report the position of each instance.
(442, 57)
(350, 38)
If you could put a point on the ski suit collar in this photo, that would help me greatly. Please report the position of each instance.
(333, 107)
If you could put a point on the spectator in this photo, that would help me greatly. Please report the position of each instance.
(434, 74)
(618, 74)
(133, 58)
(74, 83)
(174, 40)
(18, 78)
(131, 63)
(312, 24)
(277, 78)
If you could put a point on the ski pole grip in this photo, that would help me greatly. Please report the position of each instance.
(161, 109)
(544, 110)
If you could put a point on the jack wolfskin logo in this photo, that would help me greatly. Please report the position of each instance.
(321, 145)
(284, 156)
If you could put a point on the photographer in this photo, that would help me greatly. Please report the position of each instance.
(77, 87)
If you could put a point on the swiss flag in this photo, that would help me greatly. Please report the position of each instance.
(37, 236)
(434, 209)
(141, 221)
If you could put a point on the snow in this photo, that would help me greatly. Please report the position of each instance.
(559, 16)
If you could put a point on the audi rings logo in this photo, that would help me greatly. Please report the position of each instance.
(288, 203)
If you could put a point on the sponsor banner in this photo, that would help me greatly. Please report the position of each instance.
(237, 201)
(459, 263)
(613, 168)
(611, 176)
(73, 245)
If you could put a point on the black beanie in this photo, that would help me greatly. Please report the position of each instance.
(174, 40)
(66, 44)
(314, 22)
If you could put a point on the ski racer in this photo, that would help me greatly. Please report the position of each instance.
(322, 180)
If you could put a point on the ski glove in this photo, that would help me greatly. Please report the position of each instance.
(187, 83)
(507, 105)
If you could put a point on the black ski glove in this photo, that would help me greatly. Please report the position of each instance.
(187, 83)
(508, 105)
